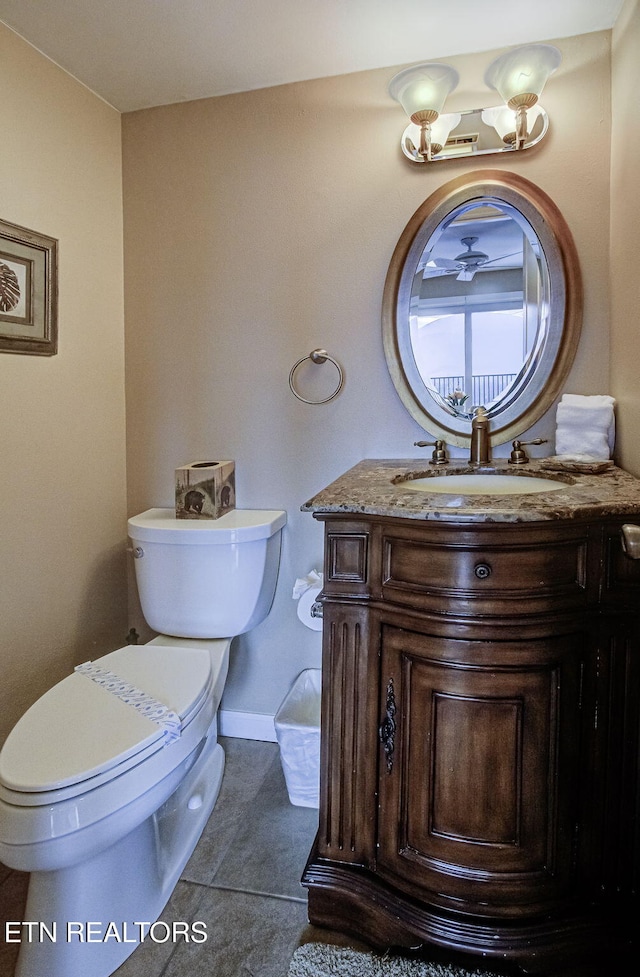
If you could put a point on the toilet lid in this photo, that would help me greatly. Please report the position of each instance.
(78, 729)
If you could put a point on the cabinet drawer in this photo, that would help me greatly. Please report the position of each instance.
(491, 576)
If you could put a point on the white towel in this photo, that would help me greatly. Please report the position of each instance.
(589, 400)
(585, 425)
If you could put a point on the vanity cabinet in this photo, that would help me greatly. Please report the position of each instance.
(480, 732)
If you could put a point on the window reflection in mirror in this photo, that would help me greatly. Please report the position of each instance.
(478, 315)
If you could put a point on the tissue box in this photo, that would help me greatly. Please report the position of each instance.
(205, 489)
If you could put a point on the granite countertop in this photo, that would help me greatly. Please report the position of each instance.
(369, 488)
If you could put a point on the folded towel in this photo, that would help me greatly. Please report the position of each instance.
(585, 425)
(589, 400)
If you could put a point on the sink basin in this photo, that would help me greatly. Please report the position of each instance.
(482, 483)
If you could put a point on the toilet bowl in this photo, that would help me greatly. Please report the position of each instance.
(109, 778)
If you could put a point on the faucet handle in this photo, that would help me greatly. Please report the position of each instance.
(518, 455)
(439, 455)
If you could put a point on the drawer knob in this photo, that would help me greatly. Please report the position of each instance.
(482, 571)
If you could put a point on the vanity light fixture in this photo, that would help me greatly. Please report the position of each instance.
(519, 77)
(422, 91)
(505, 121)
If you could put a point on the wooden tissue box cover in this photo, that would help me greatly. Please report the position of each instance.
(205, 489)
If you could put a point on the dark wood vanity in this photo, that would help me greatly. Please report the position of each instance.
(480, 720)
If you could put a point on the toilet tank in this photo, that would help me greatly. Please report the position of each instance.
(206, 578)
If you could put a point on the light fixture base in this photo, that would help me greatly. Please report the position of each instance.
(474, 134)
(518, 75)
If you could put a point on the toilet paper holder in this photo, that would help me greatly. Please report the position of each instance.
(316, 356)
(307, 591)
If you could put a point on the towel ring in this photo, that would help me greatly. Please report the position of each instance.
(317, 356)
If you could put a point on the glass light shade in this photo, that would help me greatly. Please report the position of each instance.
(524, 70)
(440, 130)
(443, 125)
(503, 119)
(423, 87)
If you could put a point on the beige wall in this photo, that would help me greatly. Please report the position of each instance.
(62, 491)
(625, 234)
(259, 226)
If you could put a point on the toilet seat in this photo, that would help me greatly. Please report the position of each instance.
(56, 827)
(79, 736)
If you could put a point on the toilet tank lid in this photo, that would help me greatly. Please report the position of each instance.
(236, 526)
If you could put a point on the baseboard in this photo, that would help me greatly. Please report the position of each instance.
(247, 725)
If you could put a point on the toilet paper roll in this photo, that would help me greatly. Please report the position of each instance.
(305, 603)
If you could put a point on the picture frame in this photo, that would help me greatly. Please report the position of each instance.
(28, 291)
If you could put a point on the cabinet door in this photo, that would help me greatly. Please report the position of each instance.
(479, 769)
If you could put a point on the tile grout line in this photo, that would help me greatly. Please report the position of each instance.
(194, 912)
(257, 893)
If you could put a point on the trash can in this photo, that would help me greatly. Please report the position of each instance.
(297, 724)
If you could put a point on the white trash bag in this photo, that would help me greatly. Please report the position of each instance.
(297, 724)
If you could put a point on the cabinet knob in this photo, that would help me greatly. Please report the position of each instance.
(631, 540)
(482, 571)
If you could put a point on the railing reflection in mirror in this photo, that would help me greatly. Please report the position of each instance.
(484, 388)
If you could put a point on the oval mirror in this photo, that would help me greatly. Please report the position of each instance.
(482, 307)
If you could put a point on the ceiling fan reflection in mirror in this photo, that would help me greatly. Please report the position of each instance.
(465, 264)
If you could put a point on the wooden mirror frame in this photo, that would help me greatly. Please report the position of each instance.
(565, 299)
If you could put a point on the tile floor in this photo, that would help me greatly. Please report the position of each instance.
(242, 881)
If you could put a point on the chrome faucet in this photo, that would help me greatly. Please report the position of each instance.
(479, 437)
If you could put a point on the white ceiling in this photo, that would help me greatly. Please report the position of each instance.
(140, 53)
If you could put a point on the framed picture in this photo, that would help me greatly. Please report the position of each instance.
(28, 291)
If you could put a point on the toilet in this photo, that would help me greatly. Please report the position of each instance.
(108, 779)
